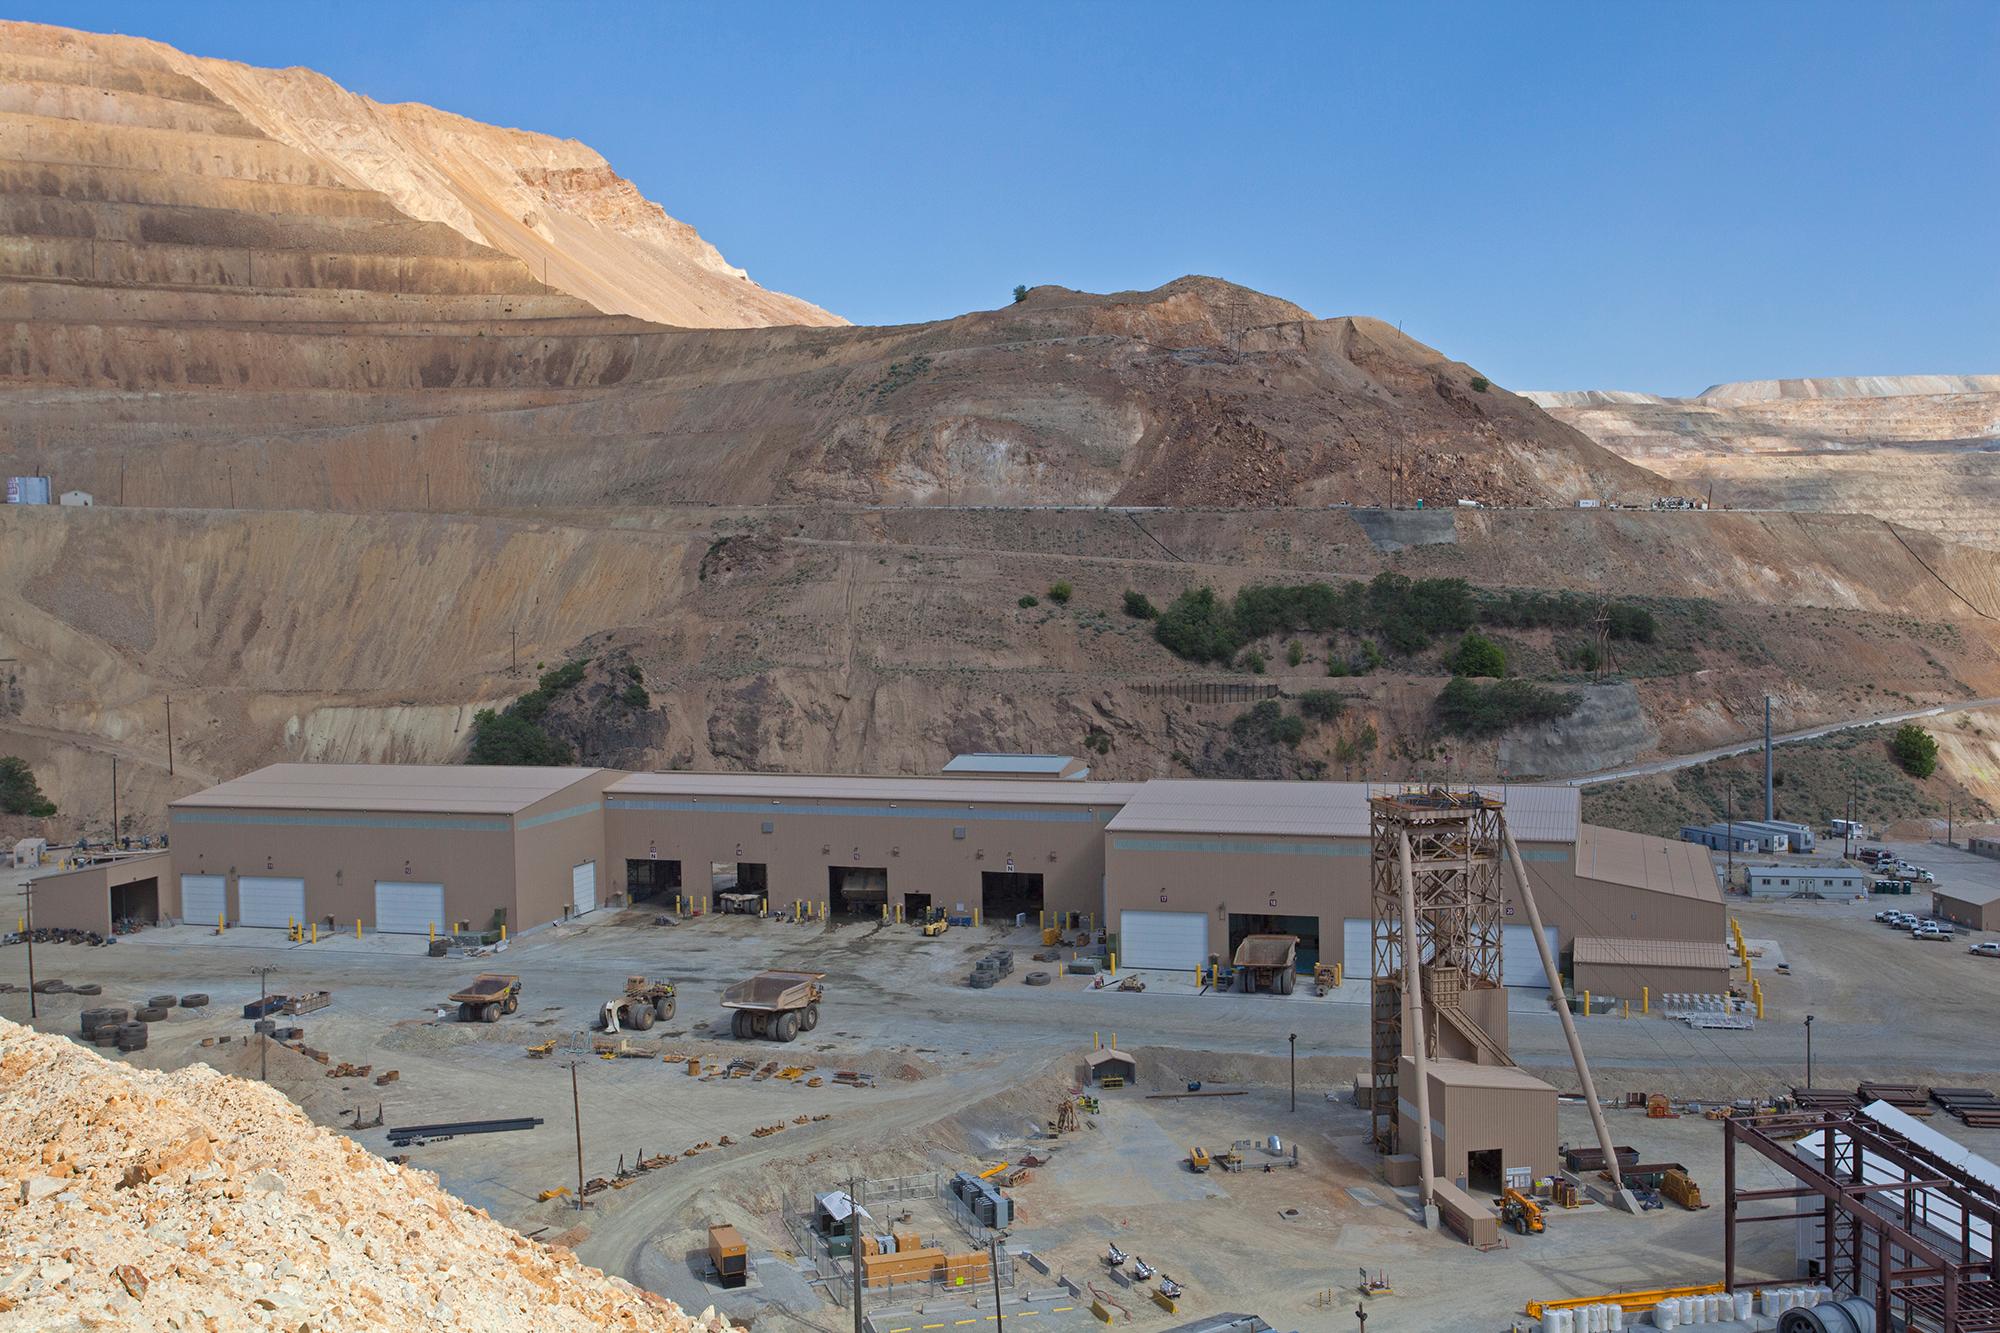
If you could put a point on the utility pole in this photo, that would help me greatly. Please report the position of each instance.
(263, 1037)
(1729, 836)
(1809, 1023)
(993, 1259)
(854, 1246)
(576, 1110)
(1847, 834)
(1294, 1040)
(170, 735)
(28, 899)
(114, 802)
(1769, 812)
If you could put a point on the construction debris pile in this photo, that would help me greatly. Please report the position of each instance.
(197, 1201)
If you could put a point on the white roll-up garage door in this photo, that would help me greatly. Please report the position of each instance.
(583, 888)
(1177, 940)
(204, 898)
(1520, 961)
(263, 900)
(403, 907)
(1357, 943)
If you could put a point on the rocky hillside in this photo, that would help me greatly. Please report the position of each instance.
(186, 1200)
(157, 157)
(1916, 449)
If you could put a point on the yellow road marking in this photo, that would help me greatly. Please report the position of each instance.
(956, 1322)
(1062, 1309)
(933, 1325)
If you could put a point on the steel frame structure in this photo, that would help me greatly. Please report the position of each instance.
(1925, 1272)
(1455, 851)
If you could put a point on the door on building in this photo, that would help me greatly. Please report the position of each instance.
(1244, 924)
(137, 901)
(1357, 944)
(204, 899)
(270, 900)
(583, 888)
(856, 890)
(915, 905)
(406, 907)
(1005, 893)
(1173, 940)
(1520, 962)
(1483, 1170)
(650, 878)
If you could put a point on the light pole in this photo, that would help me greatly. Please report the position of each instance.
(1809, 1023)
(263, 1033)
(576, 1109)
(1361, 1316)
(993, 1259)
(1294, 1040)
(28, 901)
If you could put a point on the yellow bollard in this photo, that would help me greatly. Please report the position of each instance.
(315, 938)
(1626, 1010)
(1586, 1001)
(1760, 1005)
(220, 924)
(1646, 999)
(357, 927)
(1113, 959)
(434, 931)
(1338, 970)
(1044, 921)
(503, 932)
(975, 916)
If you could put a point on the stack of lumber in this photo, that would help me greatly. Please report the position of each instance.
(1977, 1107)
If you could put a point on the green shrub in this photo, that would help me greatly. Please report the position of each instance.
(1371, 657)
(1632, 622)
(1139, 606)
(507, 738)
(1480, 384)
(1322, 705)
(1915, 749)
(1267, 723)
(635, 696)
(1468, 709)
(531, 706)
(1020, 292)
(1477, 655)
(1255, 661)
(1350, 749)
(1336, 667)
(1196, 627)
(1060, 592)
(1295, 652)
(1585, 657)
(20, 794)
(1097, 739)
(1028, 599)
(632, 670)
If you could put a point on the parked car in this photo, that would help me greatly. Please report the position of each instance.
(1930, 930)
(1986, 949)
(1923, 876)
(1886, 913)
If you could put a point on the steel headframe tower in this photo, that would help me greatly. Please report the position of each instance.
(1451, 844)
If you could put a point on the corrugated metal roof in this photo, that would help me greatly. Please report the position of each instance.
(1104, 1053)
(1465, 1074)
(1976, 894)
(1319, 809)
(459, 788)
(938, 790)
(1711, 954)
(1641, 861)
(1051, 765)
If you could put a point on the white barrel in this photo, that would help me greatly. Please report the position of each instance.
(1822, 1294)
(1716, 1312)
(1691, 1310)
(1566, 1321)
(1667, 1314)
(1614, 1318)
(1599, 1320)
(1552, 1321)
(1740, 1305)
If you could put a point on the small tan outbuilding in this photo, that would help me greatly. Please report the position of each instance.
(91, 898)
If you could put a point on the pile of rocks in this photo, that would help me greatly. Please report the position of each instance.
(195, 1201)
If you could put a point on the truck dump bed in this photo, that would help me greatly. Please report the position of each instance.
(773, 991)
(486, 987)
(1267, 951)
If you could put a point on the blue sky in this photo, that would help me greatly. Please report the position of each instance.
(1630, 195)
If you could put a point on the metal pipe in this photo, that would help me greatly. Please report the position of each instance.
(1413, 1001)
(1554, 975)
(1770, 811)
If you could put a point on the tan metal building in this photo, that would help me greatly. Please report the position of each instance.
(1967, 905)
(403, 848)
(140, 887)
(1005, 846)
(1636, 969)
(1191, 867)
(1486, 1121)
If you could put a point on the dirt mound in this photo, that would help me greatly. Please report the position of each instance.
(194, 1200)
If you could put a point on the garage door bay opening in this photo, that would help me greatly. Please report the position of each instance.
(1006, 895)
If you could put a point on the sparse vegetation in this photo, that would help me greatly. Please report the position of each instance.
(1139, 606)
(1255, 662)
(1322, 705)
(634, 696)
(1196, 626)
(1060, 592)
(1468, 709)
(515, 735)
(1916, 750)
(20, 794)
(1267, 723)
(1020, 292)
(1295, 653)
(1028, 599)
(1477, 655)
(1355, 748)
(1480, 384)
(1097, 740)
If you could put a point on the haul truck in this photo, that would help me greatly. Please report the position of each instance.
(1267, 963)
(643, 1002)
(775, 1005)
(490, 995)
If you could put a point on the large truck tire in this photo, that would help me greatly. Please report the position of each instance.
(1245, 982)
(489, 1013)
(663, 1008)
(151, 1014)
(464, 1011)
(788, 1025)
(1286, 980)
(163, 1001)
(811, 1018)
(510, 1004)
(640, 1017)
(739, 1025)
(195, 1001)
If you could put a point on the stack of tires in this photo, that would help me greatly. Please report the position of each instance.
(100, 1026)
(131, 1036)
(990, 969)
(195, 1001)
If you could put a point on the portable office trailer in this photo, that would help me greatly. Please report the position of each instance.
(1843, 881)
(1716, 838)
